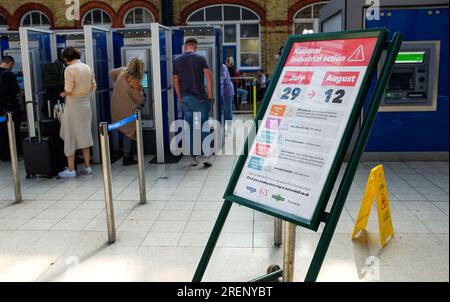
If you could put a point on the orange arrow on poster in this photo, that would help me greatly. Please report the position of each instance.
(376, 187)
(358, 55)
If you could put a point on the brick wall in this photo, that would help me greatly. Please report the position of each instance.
(276, 16)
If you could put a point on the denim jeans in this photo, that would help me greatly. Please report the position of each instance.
(228, 107)
(244, 95)
(196, 110)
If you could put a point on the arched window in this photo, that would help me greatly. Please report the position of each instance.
(3, 22)
(97, 17)
(241, 32)
(35, 19)
(307, 18)
(138, 16)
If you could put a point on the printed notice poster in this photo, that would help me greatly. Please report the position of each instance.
(297, 142)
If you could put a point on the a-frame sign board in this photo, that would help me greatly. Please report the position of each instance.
(308, 117)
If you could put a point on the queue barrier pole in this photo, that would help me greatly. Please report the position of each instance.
(289, 252)
(140, 155)
(13, 154)
(107, 181)
(278, 229)
(105, 128)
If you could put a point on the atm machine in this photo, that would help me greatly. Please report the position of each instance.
(11, 47)
(412, 123)
(153, 45)
(71, 38)
(137, 43)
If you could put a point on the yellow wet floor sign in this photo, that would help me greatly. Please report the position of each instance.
(376, 187)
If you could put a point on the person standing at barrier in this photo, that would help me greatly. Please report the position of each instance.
(261, 84)
(189, 72)
(76, 122)
(128, 95)
(9, 91)
(227, 92)
(242, 88)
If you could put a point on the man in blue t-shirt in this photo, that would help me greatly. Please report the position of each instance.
(189, 73)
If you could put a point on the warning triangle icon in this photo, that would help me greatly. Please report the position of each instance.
(358, 55)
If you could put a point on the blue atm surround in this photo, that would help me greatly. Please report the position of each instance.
(416, 131)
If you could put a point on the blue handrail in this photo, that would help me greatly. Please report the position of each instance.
(122, 123)
(3, 119)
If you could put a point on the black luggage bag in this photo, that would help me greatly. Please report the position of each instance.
(40, 154)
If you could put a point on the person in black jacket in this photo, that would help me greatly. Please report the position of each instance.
(9, 90)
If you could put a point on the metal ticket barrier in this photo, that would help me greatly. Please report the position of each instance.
(250, 106)
(13, 153)
(104, 130)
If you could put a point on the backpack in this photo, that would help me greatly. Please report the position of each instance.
(53, 75)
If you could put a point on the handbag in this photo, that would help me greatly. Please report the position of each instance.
(58, 111)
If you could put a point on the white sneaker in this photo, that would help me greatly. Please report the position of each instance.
(194, 162)
(87, 171)
(67, 174)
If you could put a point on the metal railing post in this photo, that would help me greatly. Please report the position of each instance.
(278, 229)
(140, 155)
(106, 163)
(289, 252)
(14, 160)
(255, 100)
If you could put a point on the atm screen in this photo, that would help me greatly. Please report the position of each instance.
(20, 81)
(417, 57)
(144, 81)
(401, 81)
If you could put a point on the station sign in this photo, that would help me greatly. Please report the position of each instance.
(293, 159)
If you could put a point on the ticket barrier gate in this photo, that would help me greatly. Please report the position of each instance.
(104, 129)
(13, 153)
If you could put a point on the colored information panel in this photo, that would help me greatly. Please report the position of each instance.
(301, 132)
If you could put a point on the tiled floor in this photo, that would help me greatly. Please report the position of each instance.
(59, 232)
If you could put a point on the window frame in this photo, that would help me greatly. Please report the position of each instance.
(132, 10)
(314, 21)
(238, 24)
(90, 13)
(29, 13)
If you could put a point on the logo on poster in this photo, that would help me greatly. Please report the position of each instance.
(251, 189)
(278, 110)
(278, 198)
(264, 192)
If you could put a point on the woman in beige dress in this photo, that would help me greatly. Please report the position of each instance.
(127, 96)
(76, 130)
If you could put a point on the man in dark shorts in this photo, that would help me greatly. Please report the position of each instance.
(189, 72)
(9, 90)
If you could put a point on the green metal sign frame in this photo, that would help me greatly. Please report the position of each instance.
(330, 219)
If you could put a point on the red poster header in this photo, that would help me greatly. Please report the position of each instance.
(298, 78)
(344, 79)
(348, 52)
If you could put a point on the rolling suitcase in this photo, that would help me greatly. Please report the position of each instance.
(51, 128)
(39, 154)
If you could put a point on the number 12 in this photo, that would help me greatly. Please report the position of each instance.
(339, 95)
